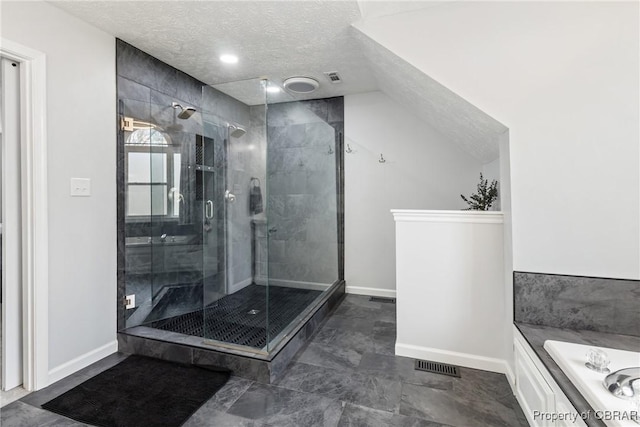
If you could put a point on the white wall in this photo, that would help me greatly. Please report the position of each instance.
(81, 138)
(422, 171)
(450, 287)
(563, 76)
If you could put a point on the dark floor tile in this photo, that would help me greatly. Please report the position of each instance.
(360, 389)
(385, 329)
(358, 416)
(360, 301)
(475, 384)
(385, 347)
(356, 311)
(447, 407)
(344, 338)
(282, 407)
(335, 357)
(402, 369)
(214, 418)
(384, 338)
(20, 414)
(228, 394)
(344, 323)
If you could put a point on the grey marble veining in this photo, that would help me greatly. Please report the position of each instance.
(381, 391)
(536, 335)
(366, 390)
(572, 302)
(402, 369)
(448, 407)
(361, 416)
(282, 407)
(384, 338)
(22, 414)
(303, 204)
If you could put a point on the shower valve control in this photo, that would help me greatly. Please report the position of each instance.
(229, 196)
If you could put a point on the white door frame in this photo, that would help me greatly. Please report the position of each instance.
(35, 250)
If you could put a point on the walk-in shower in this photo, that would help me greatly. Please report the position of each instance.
(230, 220)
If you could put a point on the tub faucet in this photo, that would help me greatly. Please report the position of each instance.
(624, 383)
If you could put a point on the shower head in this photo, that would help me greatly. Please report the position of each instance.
(185, 112)
(236, 131)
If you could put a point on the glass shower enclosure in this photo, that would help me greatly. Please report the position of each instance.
(231, 215)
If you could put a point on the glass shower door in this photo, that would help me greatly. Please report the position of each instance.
(235, 302)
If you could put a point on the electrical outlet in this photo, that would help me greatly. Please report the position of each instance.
(130, 302)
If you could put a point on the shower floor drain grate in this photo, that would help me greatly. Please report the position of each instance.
(437, 368)
(233, 318)
(383, 299)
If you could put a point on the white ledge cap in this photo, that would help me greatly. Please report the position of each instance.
(481, 217)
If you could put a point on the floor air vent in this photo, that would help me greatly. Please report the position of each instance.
(437, 368)
(383, 299)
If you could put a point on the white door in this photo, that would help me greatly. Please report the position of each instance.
(10, 217)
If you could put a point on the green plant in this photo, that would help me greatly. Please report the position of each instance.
(484, 198)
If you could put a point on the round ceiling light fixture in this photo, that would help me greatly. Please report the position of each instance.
(301, 84)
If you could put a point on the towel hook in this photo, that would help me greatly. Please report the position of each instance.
(330, 150)
(348, 150)
(381, 159)
(251, 181)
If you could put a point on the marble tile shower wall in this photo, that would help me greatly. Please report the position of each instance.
(574, 302)
(247, 160)
(302, 151)
(146, 89)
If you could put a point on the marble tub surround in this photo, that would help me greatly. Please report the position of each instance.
(378, 391)
(536, 335)
(575, 302)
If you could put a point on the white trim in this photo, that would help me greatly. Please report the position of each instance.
(452, 358)
(82, 361)
(314, 286)
(374, 292)
(12, 339)
(511, 377)
(35, 257)
(240, 285)
(477, 217)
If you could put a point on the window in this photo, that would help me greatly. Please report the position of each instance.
(151, 168)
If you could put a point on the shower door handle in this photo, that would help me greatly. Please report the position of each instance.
(208, 210)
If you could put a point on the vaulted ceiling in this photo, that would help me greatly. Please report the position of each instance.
(280, 39)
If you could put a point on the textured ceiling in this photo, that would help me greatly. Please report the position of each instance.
(280, 39)
(456, 119)
(273, 39)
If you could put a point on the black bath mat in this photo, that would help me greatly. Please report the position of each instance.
(140, 391)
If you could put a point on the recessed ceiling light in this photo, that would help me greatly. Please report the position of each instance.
(229, 59)
(273, 89)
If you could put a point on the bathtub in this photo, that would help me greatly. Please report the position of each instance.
(571, 358)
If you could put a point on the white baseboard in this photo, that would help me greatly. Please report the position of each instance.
(237, 286)
(314, 286)
(82, 361)
(374, 292)
(453, 358)
(511, 377)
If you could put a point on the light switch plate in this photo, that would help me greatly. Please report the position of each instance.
(80, 187)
